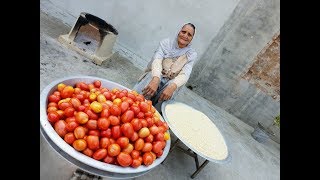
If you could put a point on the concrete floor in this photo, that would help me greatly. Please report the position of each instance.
(251, 160)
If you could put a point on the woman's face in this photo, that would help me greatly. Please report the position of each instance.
(185, 36)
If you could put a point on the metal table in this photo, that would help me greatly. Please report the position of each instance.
(191, 151)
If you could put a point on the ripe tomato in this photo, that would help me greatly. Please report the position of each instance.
(115, 110)
(81, 117)
(67, 92)
(69, 112)
(154, 130)
(124, 159)
(101, 98)
(108, 95)
(135, 154)
(147, 147)
(113, 149)
(100, 154)
(131, 96)
(53, 117)
(52, 104)
(127, 129)
(51, 109)
(71, 126)
(92, 115)
(143, 132)
(149, 138)
(147, 158)
(138, 145)
(166, 136)
(79, 132)
(104, 142)
(79, 144)
(105, 113)
(60, 128)
(96, 106)
(107, 133)
(63, 105)
(92, 124)
(88, 152)
(109, 159)
(144, 107)
(60, 86)
(94, 132)
(149, 121)
(140, 115)
(124, 106)
(69, 138)
(97, 83)
(54, 98)
(136, 124)
(103, 123)
(157, 147)
(75, 103)
(114, 120)
(128, 149)
(135, 109)
(135, 163)
(127, 116)
(93, 142)
(116, 132)
(82, 86)
(134, 137)
(123, 141)
(159, 136)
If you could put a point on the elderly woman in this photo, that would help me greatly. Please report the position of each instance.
(169, 69)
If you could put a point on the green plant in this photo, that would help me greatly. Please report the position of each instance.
(276, 120)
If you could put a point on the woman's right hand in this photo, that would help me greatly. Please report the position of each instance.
(152, 87)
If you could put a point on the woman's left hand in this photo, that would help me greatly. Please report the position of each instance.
(168, 92)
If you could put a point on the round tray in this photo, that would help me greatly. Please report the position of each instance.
(78, 158)
(223, 161)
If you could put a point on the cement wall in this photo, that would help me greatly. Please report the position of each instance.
(217, 76)
(142, 24)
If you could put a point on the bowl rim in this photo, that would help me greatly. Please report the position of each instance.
(47, 127)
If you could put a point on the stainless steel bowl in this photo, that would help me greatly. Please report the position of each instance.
(77, 158)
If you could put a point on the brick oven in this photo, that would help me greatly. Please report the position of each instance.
(92, 37)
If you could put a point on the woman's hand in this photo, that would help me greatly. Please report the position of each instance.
(167, 92)
(152, 87)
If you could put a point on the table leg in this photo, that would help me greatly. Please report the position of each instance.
(199, 169)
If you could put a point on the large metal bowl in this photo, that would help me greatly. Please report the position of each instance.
(77, 158)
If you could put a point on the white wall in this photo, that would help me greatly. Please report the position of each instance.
(143, 23)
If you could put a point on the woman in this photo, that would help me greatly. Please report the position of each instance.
(169, 69)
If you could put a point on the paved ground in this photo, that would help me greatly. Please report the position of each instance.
(250, 160)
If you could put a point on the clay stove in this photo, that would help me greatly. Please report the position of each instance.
(92, 37)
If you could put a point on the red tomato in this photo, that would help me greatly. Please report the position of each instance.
(138, 145)
(51, 109)
(113, 149)
(107, 133)
(127, 129)
(124, 159)
(140, 98)
(60, 128)
(103, 123)
(144, 107)
(53, 104)
(140, 115)
(130, 101)
(157, 147)
(128, 149)
(108, 95)
(79, 132)
(136, 124)
(134, 137)
(70, 119)
(159, 136)
(53, 117)
(104, 142)
(71, 126)
(135, 154)
(147, 158)
(123, 141)
(105, 113)
(54, 98)
(97, 83)
(69, 111)
(149, 121)
(69, 138)
(92, 114)
(115, 110)
(64, 105)
(100, 154)
(75, 103)
(79, 144)
(131, 96)
(114, 120)
(149, 138)
(127, 116)
(94, 132)
(83, 86)
(116, 132)
(148, 114)
(147, 147)
(92, 124)
(109, 159)
(124, 106)
(88, 152)
(135, 163)
(154, 130)
(81, 117)
(93, 142)
(135, 109)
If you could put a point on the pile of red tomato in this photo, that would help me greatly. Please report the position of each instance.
(115, 126)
